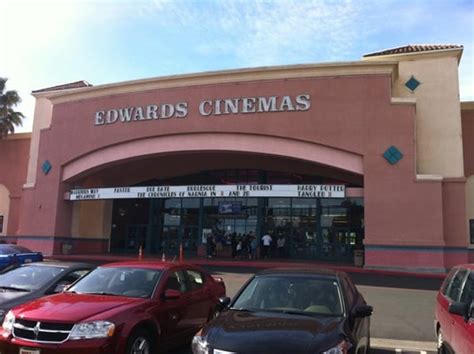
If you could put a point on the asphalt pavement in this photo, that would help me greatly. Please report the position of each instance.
(403, 316)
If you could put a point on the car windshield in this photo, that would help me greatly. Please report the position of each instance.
(30, 277)
(131, 282)
(290, 294)
(10, 249)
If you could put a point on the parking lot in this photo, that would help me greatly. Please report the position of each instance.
(402, 321)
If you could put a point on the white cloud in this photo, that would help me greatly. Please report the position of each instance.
(31, 29)
(258, 33)
(264, 33)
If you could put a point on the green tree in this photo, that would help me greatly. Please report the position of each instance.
(9, 118)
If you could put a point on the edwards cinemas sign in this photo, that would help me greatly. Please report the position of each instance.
(206, 108)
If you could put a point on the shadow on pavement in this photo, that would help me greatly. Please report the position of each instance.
(380, 280)
(392, 281)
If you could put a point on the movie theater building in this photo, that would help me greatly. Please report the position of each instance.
(374, 155)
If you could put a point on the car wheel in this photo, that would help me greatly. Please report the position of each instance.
(140, 343)
(440, 344)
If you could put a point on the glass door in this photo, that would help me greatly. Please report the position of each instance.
(136, 237)
(170, 237)
(190, 216)
(189, 239)
(170, 241)
(304, 221)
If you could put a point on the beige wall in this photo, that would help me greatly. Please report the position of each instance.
(438, 117)
(92, 219)
(4, 207)
(42, 120)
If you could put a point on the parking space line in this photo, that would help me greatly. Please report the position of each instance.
(403, 345)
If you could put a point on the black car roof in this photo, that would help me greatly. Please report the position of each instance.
(320, 272)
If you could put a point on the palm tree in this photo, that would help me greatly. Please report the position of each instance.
(8, 117)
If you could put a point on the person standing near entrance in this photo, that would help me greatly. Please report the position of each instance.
(267, 242)
(233, 244)
(281, 246)
(219, 243)
(253, 247)
(210, 245)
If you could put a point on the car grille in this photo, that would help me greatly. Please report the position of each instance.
(44, 332)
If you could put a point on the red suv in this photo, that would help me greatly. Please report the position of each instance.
(119, 308)
(454, 323)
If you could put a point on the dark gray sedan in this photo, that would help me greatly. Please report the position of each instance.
(290, 311)
(34, 280)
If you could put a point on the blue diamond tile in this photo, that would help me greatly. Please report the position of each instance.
(392, 155)
(412, 84)
(46, 167)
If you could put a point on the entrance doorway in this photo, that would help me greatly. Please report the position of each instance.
(321, 229)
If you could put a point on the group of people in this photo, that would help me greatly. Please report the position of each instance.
(267, 243)
(245, 246)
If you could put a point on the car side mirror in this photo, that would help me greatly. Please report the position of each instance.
(223, 303)
(60, 287)
(459, 308)
(362, 311)
(171, 294)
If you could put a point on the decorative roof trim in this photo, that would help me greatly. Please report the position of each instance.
(410, 56)
(415, 48)
(17, 136)
(71, 85)
(467, 106)
(226, 77)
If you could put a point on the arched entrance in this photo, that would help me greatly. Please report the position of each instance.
(311, 227)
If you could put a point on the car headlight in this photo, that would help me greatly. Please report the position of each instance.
(8, 322)
(341, 348)
(200, 344)
(95, 329)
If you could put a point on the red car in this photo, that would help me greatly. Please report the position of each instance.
(119, 308)
(454, 323)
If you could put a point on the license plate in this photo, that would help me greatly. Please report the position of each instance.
(28, 260)
(29, 351)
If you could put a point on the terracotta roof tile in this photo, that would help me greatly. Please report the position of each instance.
(72, 85)
(415, 48)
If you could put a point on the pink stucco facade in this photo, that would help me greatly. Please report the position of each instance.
(13, 167)
(410, 223)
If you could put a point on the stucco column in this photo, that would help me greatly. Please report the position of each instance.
(45, 213)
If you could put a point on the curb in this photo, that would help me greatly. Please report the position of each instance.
(402, 344)
(262, 264)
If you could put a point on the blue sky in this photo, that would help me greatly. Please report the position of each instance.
(46, 43)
